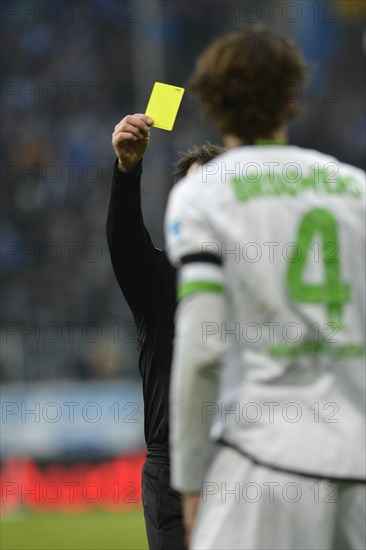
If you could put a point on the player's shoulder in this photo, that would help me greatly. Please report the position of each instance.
(312, 158)
(287, 151)
(182, 196)
(343, 170)
(216, 170)
(208, 173)
(325, 158)
(189, 187)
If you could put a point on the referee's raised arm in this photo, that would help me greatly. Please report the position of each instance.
(148, 282)
(133, 255)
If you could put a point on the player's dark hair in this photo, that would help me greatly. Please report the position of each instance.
(248, 80)
(199, 154)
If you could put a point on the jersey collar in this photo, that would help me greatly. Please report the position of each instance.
(269, 142)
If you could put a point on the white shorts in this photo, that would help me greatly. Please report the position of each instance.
(249, 507)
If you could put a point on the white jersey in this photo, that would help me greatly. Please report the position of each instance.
(287, 226)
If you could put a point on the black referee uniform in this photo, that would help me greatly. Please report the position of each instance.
(147, 281)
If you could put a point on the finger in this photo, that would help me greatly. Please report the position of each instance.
(136, 121)
(132, 130)
(146, 119)
(141, 121)
(123, 136)
(118, 138)
(126, 127)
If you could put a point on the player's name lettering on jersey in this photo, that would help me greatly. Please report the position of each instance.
(293, 183)
(346, 351)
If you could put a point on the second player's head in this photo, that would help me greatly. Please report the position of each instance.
(247, 80)
(195, 157)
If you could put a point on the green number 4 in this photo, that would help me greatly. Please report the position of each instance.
(333, 293)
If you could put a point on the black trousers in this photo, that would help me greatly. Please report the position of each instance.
(162, 507)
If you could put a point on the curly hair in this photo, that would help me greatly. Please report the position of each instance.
(247, 80)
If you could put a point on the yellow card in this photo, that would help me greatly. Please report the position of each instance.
(164, 104)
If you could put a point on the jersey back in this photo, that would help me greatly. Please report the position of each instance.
(289, 227)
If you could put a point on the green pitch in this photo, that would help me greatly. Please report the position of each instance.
(97, 530)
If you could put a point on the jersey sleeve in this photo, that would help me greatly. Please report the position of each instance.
(194, 388)
(193, 249)
(192, 245)
(139, 266)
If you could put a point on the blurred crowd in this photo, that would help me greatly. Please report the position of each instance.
(69, 75)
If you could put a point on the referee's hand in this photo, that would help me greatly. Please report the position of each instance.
(130, 140)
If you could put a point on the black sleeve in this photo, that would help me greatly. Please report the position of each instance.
(136, 262)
